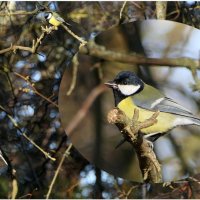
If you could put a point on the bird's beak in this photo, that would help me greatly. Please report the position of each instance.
(111, 84)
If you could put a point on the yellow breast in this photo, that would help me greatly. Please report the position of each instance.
(165, 120)
(54, 21)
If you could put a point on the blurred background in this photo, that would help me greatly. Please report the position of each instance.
(29, 97)
(97, 140)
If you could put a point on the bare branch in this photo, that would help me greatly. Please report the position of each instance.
(24, 134)
(82, 41)
(19, 12)
(122, 9)
(84, 109)
(74, 75)
(161, 8)
(34, 89)
(95, 50)
(35, 45)
(14, 185)
(65, 155)
(130, 129)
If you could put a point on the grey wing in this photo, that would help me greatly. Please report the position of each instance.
(152, 99)
(170, 106)
(60, 19)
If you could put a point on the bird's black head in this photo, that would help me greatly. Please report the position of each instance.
(125, 84)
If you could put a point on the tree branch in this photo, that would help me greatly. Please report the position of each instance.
(65, 155)
(78, 117)
(35, 45)
(19, 12)
(74, 74)
(32, 87)
(122, 9)
(161, 8)
(17, 126)
(95, 50)
(81, 40)
(130, 129)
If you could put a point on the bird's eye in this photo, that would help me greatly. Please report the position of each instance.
(124, 83)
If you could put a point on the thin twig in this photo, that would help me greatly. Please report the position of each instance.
(14, 185)
(74, 74)
(177, 12)
(122, 9)
(35, 45)
(70, 189)
(138, 5)
(130, 190)
(65, 155)
(84, 109)
(34, 89)
(10, 82)
(82, 41)
(20, 12)
(190, 178)
(44, 152)
(125, 194)
(24, 134)
(14, 48)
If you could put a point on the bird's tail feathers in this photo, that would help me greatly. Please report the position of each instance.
(67, 24)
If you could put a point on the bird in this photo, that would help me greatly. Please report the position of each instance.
(131, 93)
(54, 19)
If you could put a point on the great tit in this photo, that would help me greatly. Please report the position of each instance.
(54, 19)
(131, 92)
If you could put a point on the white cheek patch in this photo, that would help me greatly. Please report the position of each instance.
(49, 16)
(128, 89)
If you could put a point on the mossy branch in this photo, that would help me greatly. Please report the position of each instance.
(102, 52)
(130, 129)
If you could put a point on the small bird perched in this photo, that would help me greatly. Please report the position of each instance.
(131, 92)
(54, 19)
